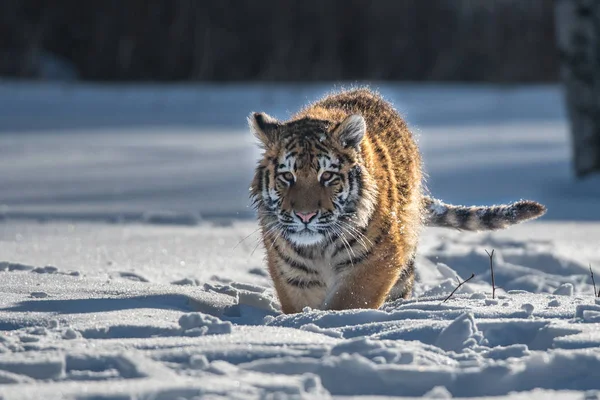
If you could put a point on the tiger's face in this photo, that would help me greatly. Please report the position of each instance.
(308, 187)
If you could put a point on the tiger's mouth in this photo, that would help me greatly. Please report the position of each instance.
(305, 236)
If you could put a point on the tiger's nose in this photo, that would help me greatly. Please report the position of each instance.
(306, 217)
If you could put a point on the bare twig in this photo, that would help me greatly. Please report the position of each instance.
(458, 287)
(491, 256)
(596, 294)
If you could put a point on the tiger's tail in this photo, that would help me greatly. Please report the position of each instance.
(475, 218)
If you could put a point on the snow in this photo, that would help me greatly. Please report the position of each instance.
(130, 265)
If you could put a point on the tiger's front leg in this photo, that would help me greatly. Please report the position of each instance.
(364, 285)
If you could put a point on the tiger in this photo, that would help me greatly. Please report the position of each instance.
(340, 200)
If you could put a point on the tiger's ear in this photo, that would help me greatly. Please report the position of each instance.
(265, 127)
(351, 131)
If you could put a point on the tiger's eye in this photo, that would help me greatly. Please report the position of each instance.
(288, 176)
(325, 176)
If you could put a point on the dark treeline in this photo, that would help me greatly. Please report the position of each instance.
(275, 40)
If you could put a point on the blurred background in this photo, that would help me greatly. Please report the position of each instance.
(136, 110)
(501, 41)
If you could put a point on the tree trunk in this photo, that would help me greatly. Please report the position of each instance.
(578, 35)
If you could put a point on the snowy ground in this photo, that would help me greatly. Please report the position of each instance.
(125, 273)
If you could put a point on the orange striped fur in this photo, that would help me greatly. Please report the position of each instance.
(357, 263)
(340, 203)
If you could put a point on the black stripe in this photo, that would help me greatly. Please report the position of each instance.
(267, 180)
(291, 154)
(355, 176)
(402, 188)
(404, 278)
(409, 269)
(438, 219)
(304, 284)
(294, 264)
(386, 164)
(301, 251)
(260, 179)
(359, 182)
(350, 183)
(321, 148)
(290, 145)
(266, 183)
(487, 219)
(385, 227)
(341, 247)
(462, 216)
(351, 262)
(357, 260)
(344, 159)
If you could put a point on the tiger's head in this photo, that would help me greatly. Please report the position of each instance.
(311, 184)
